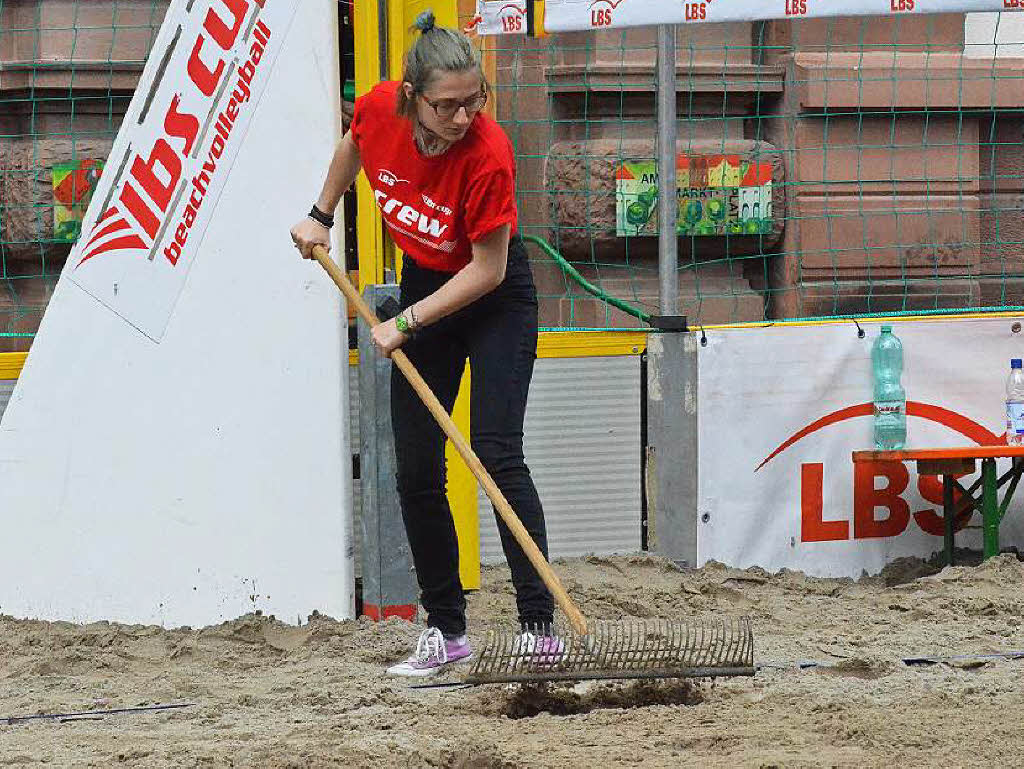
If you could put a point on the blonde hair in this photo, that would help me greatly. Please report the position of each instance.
(438, 49)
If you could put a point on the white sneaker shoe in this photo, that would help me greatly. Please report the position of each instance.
(539, 649)
(433, 652)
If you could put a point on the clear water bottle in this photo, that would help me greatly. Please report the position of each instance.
(1015, 404)
(890, 398)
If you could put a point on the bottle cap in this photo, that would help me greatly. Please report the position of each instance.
(1015, 363)
(886, 329)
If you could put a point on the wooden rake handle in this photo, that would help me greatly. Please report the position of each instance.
(547, 574)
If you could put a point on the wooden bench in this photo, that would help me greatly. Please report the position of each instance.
(962, 461)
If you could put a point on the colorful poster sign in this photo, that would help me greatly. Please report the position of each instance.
(73, 185)
(717, 195)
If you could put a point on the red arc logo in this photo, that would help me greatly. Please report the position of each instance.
(957, 422)
(111, 222)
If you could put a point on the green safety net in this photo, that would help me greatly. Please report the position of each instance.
(827, 168)
(68, 69)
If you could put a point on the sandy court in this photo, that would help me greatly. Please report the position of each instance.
(270, 694)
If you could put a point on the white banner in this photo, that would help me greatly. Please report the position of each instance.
(575, 15)
(783, 408)
(149, 214)
(191, 481)
(507, 17)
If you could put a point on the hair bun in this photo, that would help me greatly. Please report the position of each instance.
(425, 21)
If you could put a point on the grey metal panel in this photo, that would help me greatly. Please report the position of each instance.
(6, 388)
(357, 497)
(582, 443)
(388, 578)
(672, 447)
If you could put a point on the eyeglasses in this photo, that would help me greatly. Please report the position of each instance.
(446, 109)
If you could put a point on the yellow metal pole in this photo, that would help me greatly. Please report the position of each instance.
(376, 251)
(538, 19)
(462, 484)
(369, 235)
(462, 494)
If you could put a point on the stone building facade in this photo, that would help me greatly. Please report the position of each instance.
(897, 154)
(897, 167)
(67, 73)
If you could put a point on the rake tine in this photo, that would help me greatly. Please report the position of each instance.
(618, 639)
(741, 641)
(696, 654)
(651, 647)
(730, 637)
(629, 648)
(719, 645)
(677, 639)
(687, 644)
(701, 640)
(640, 644)
(707, 640)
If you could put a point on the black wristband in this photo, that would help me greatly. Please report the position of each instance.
(319, 216)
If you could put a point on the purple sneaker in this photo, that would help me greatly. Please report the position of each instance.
(539, 649)
(433, 652)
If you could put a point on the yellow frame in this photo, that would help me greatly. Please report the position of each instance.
(11, 364)
(376, 250)
(590, 344)
(879, 319)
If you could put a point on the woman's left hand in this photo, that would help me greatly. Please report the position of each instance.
(387, 338)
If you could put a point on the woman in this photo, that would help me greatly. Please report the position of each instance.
(443, 175)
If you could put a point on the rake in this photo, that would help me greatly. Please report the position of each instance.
(602, 650)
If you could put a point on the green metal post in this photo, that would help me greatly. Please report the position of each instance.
(989, 509)
(947, 516)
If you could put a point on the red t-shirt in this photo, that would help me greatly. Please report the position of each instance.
(435, 207)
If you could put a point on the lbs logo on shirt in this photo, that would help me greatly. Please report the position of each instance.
(387, 177)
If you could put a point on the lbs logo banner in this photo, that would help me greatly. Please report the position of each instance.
(575, 15)
(500, 17)
(160, 186)
(781, 411)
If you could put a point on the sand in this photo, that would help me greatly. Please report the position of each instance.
(263, 693)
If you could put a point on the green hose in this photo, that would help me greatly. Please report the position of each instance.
(571, 271)
(587, 286)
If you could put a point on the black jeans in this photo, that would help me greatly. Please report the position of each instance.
(498, 333)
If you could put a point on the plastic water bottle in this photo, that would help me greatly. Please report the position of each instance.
(1015, 404)
(890, 398)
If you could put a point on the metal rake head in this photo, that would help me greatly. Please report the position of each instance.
(656, 649)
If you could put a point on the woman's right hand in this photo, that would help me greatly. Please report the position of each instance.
(307, 234)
